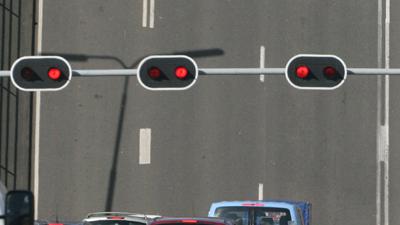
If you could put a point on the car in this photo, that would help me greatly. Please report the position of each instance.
(55, 223)
(43, 222)
(269, 212)
(118, 218)
(189, 221)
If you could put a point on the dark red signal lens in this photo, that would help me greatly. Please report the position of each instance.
(54, 73)
(27, 73)
(154, 73)
(330, 72)
(302, 72)
(181, 72)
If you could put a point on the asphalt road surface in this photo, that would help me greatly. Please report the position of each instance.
(227, 135)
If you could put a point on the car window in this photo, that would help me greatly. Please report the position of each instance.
(237, 215)
(271, 216)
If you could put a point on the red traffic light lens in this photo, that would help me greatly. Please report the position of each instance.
(54, 73)
(154, 73)
(181, 72)
(27, 73)
(302, 72)
(330, 72)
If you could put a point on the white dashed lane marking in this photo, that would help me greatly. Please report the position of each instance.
(148, 13)
(145, 146)
(262, 61)
(260, 191)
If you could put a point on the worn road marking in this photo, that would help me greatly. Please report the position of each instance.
(152, 6)
(144, 15)
(148, 13)
(145, 146)
(262, 61)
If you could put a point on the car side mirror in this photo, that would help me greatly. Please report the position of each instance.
(19, 209)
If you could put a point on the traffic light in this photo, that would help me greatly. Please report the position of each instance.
(167, 72)
(41, 73)
(19, 208)
(318, 72)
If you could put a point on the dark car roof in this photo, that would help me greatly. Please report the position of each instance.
(189, 220)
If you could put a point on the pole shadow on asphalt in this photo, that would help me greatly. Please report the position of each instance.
(83, 58)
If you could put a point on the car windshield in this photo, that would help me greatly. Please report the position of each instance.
(260, 215)
(112, 222)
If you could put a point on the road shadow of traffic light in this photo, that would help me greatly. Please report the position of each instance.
(200, 53)
(113, 171)
(86, 57)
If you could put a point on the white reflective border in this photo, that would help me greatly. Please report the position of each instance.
(40, 57)
(315, 88)
(196, 75)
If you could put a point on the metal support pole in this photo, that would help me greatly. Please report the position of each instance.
(221, 71)
(120, 72)
(235, 71)
(4, 73)
(372, 71)
(242, 71)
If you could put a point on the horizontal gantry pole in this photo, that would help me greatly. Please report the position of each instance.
(89, 73)
(221, 71)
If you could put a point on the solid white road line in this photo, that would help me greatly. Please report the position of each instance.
(40, 27)
(386, 124)
(37, 155)
(378, 127)
(378, 158)
(262, 61)
(144, 146)
(260, 191)
(144, 16)
(380, 34)
(152, 6)
(37, 115)
(383, 129)
(383, 152)
(379, 130)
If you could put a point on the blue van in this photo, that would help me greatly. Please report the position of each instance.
(269, 212)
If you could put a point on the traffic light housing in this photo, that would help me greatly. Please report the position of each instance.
(19, 208)
(318, 72)
(41, 73)
(167, 72)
